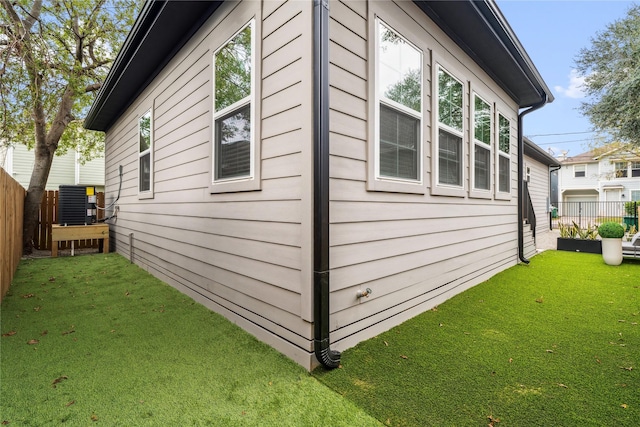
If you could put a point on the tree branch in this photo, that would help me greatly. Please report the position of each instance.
(92, 87)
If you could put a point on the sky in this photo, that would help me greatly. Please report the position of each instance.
(553, 32)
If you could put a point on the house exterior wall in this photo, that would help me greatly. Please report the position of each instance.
(415, 245)
(247, 253)
(65, 169)
(599, 176)
(539, 192)
(244, 254)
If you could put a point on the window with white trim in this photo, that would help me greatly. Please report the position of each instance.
(635, 195)
(635, 169)
(481, 144)
(145, 150)
(234, 81)
(450, 150)
(621, 169)
(504, 156)
(399, 106)
(579, 171)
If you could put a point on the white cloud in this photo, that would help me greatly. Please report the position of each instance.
(575, 88)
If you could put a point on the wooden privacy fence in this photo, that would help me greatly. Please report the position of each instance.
(11, 210)
(49, 216)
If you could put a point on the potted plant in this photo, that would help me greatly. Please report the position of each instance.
(611, 234)
(577, 239)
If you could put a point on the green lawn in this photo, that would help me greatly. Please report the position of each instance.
(96, 340)
(554, 343)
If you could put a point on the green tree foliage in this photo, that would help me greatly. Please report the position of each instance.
(611, 67)
(408, 91)
(54, 55)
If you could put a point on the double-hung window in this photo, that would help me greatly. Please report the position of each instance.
(635, 169)
(145, 150)
(233, 116)
(481, 144)
(399, 106)
(504, 158)
(450, 151)
(579, 171)
(621, 169)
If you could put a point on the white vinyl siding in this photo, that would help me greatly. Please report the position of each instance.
(63, 169)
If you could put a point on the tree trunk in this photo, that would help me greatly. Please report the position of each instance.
(42, 166)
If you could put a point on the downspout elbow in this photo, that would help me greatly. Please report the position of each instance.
(520, 174)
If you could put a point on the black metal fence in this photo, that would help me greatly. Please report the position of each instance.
(595, 213)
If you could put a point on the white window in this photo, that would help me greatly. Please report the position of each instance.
(635, 195)
(234, 107)
(450, 128)
(399, 106)
(504, 158)
(579, 171)
(635, 169)
(621, 169)
(481, 144)
(145, 153)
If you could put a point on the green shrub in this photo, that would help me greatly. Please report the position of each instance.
(611, 230)
(630, 208)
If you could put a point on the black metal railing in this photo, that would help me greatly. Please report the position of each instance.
(595, 213)
(528, 213)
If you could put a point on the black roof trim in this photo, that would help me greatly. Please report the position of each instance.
(160, 31)
(164, 26)
(531, 149)
(480, 29)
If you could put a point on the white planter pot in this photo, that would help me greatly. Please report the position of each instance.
(612, 251)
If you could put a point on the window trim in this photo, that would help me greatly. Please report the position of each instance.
(576, 171)
(252, 181)
(376, 182)
(473, 191)
(147, 194)
(625, 171)
(503, 195)
(634, 167)
(436, 187)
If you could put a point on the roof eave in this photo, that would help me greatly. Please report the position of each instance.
(498, 51)
(145, 52)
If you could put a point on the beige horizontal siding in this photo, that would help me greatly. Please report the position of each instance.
(412, 250)
(243, 254)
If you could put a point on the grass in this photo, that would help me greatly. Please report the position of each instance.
(553, 343)
(96, 340)
(556, 342)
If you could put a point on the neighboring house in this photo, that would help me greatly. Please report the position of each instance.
(65, 170)
(318, 172)
(539, 167)
(607, 174)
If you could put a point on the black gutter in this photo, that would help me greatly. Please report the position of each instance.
(521, 173)
(328, 358)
